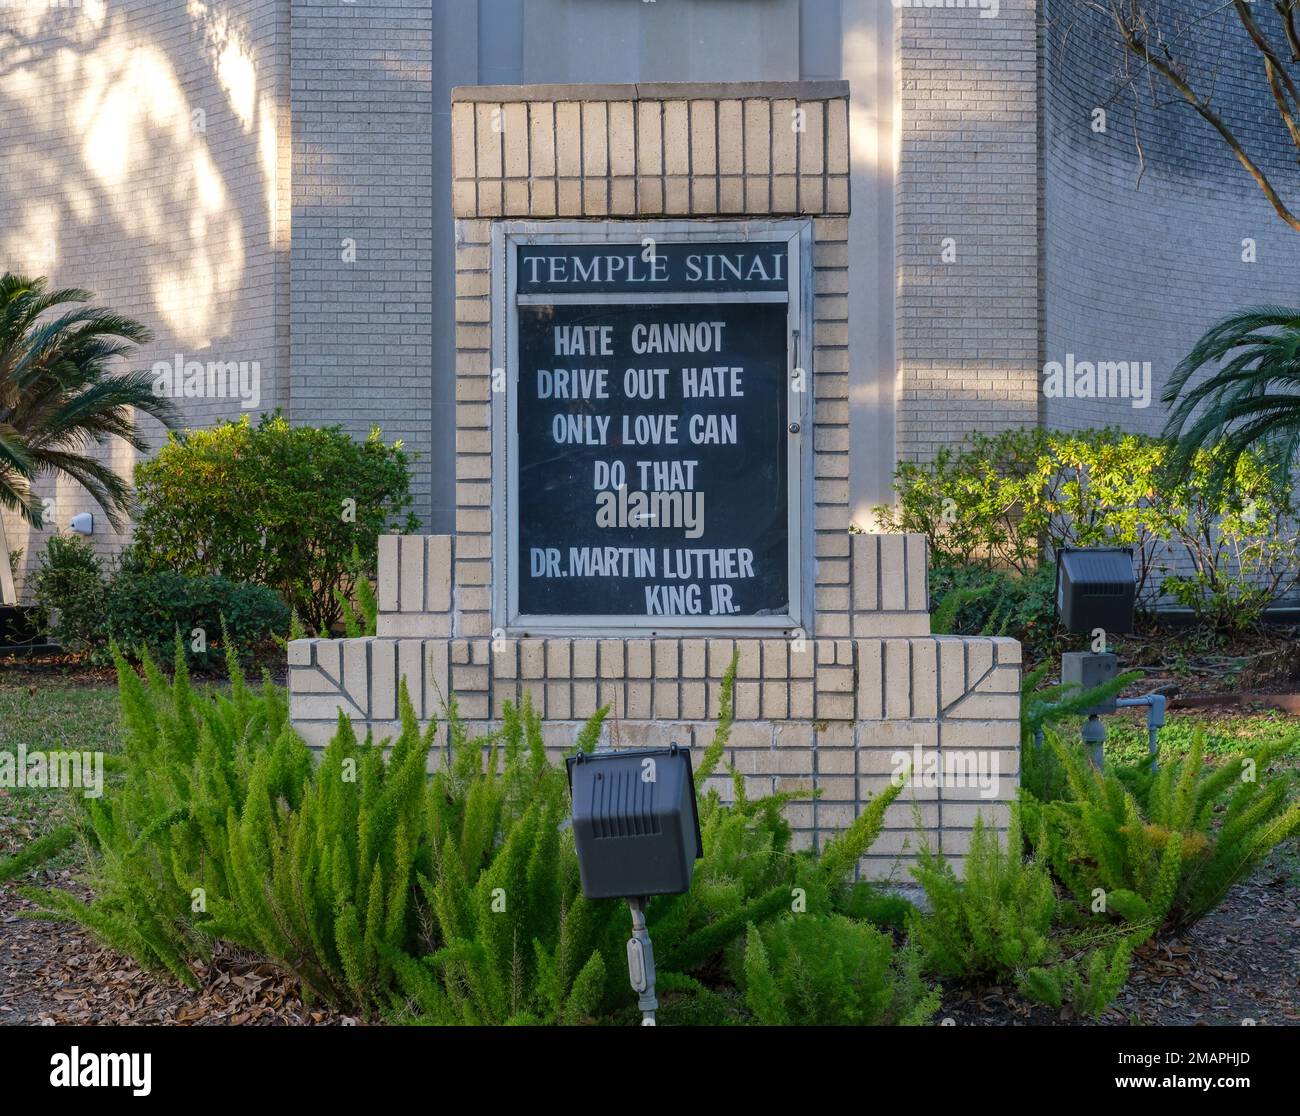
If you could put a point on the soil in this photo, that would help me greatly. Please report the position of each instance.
(1189, 661)
(53, 973)
(75, 670)
(1240, 963)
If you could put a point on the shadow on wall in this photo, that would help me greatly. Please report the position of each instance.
(141, 157)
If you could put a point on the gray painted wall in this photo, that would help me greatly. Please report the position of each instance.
(1140, 260)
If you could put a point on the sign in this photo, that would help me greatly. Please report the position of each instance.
(632, 268)
(652, 434)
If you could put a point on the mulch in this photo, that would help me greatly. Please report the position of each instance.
(1239, 964)
(1242, 962)
(54, 973)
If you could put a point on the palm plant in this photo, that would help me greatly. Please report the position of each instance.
(57, 396)
(1250, 404)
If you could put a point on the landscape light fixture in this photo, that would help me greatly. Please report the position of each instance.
(1096, 591)
(1095, 588)
(636, 827)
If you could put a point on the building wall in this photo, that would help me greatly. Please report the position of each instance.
(967, 325)
(358, 245)
(1142, 254)
(1142, 257)
(108, 183)
(363, 289)
(516, 42)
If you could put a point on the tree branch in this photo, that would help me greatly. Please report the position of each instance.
(1275, 71)
(1137, 45)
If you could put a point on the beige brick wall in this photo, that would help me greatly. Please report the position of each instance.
(650, 150)
(641, 147)
(840, 717)
(834, 709)
(833, 715)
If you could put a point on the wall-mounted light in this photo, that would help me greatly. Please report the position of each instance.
(83, 524)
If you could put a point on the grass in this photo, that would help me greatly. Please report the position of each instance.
(50, 717)
(1126, 733)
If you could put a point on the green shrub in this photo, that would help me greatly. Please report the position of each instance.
(36, 853)
(866, 902)
(70, 584)
(273, 504)
(994, 922)
(1164, 848)
(554, 956)
(360, 618)
(148, 610)
(325, 886)
(997, 501)
(828, 970)
(1089, 982)
(977, 600)
(454, 899)
(160, 855)
(91, 608)
(1042, 708)
(510, 937)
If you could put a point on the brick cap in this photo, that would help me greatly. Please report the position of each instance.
(655, 91)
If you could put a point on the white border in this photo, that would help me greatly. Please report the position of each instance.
(797, 235)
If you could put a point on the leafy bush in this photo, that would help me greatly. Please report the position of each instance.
(1003, 921)
(512, 939)
(1089, 982)
(1042, 707)
(996, 503)
(1162, 848)
(994, 922)
(996, 500)
(69, 585)
(360, 618)
(273, 504)
(90, 608)
(828, 970)
(977, 600)
(554, 956)
(325, 887)
(147, 610)
(36, 852)
(160, 850)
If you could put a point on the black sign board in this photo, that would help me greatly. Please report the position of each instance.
(653, 439)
